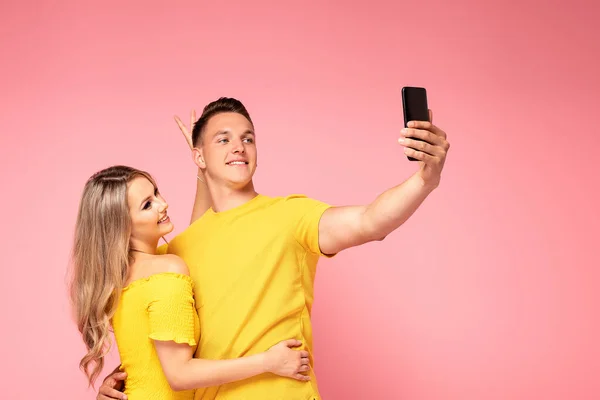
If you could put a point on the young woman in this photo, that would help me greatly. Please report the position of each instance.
(119, 281)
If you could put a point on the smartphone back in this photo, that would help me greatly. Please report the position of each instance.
(414, 102)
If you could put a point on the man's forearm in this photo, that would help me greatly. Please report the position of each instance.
(394, 206)
(344, 227)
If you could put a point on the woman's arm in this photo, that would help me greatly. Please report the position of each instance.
(184, 372)
(202, 201)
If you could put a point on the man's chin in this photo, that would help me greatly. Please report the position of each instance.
(237, 181)
(238, 184)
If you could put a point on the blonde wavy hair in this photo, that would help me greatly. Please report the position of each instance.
(100, 260)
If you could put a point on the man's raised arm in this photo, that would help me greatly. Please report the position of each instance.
(348, 226)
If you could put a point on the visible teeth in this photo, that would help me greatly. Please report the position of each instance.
(163, 220)
(237, 162)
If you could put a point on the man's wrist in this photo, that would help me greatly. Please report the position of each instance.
(428, 185)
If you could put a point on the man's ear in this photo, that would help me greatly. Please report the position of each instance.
(198, 157)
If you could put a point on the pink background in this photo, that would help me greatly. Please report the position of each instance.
(490, 291)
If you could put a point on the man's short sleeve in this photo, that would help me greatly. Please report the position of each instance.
(306, 214)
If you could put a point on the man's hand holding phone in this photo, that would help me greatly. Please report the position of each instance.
(427, 144)
(423, 141)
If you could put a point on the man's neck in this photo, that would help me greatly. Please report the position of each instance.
(226, 198)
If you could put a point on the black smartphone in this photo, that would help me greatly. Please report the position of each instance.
(414, 103)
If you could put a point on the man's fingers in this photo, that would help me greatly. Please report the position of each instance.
(108, 393)
(439, 142)
(419, 155)
(110, 382)
(428, 126)
(120, 376)
(421, 146)
(113, 379)
(424, 135)
(431, 116)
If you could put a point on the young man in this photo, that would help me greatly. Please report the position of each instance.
(253, 258)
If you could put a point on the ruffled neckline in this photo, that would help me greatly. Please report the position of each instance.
(158, 276)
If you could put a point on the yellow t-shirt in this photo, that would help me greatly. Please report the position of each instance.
(159, 307)
(253, 268)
